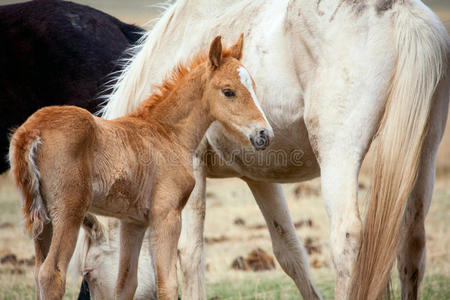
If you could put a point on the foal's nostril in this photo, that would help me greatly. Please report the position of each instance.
(261, 139)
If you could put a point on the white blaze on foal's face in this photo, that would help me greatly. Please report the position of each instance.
(247, 81)
(260, 134)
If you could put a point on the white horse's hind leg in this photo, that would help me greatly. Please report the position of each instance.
(342, 112)
(190, 246)
(339, 189)
(340, 163)
(412, 253)
(287, 247)
(340, 131)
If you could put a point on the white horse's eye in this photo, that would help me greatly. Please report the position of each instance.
(87, 274)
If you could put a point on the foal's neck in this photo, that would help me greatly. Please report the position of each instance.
(181, 112)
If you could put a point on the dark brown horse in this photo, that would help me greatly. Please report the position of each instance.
(55, 52)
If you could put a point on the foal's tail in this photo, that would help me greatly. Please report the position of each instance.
(22, 153)
(422, 50)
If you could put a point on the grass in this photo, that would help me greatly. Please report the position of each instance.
(280, 288)
(433, 288)
(228, 200)
(21, 287)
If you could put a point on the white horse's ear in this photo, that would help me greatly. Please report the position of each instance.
(215, 52)
(236, 49)
(93, 227)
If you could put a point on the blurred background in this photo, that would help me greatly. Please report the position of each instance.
(234, 225)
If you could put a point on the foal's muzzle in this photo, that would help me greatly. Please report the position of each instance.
(262, 138)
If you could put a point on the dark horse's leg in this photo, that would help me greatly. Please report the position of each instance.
(84, 291)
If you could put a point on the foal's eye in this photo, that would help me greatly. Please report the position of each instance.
(228, 93)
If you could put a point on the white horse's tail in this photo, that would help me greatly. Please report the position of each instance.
(422, 45)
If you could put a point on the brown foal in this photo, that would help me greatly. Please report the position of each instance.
(138, 168)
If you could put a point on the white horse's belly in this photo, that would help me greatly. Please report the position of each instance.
(289, 158)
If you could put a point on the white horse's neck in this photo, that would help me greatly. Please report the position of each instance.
(204, 18)
(285, 42)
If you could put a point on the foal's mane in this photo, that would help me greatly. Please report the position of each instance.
(178, 73)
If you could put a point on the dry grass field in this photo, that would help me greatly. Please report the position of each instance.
(234, 227)
(227, 237)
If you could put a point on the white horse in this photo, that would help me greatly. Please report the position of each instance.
(96, 258)
(331, 75)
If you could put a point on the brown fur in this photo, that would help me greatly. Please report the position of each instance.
(22, 176)
(137, 168)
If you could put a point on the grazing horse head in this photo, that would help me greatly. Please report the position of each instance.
(232, 99)
(96, 256)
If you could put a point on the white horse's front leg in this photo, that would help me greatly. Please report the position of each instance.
(190, 246)
(287, 247)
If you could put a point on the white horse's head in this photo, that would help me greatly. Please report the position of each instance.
(96, 258)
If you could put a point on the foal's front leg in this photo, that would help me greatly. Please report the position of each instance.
(166, 227)
(131, 236)
(166, 230)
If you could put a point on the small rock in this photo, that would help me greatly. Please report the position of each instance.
(257, 260)
(9, 259)
(239, 222)
(210, 195)
(305, 189)
(317, 263)
(311, 248)
(299, 224)
(6, 225)
(214, 240)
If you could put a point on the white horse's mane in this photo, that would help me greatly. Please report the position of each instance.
(112, 89)
(131, 85)
(128, 86)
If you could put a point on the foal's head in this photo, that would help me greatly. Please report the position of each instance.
(231, 97)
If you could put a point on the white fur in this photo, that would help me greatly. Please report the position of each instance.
(38, 209)
(322, 75)
(99, 252)
(246, 81)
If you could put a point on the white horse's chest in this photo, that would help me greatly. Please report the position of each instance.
(290, 157)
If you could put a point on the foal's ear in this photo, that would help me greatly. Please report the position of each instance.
(215, 52)
(93, 227)
(236, 49)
